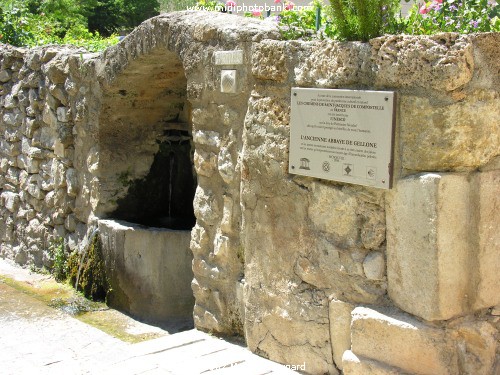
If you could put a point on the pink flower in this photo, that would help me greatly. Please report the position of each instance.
(436, 5)
(256, 13)
(277, 1)
(424, 9)
(230, 4)
(439, 1)
(289, 5)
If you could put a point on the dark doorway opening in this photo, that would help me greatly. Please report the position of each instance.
(164, 198)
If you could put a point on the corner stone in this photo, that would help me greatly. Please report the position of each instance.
(488, 217)
(428, 236)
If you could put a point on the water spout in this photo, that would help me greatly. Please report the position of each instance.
(170, 179)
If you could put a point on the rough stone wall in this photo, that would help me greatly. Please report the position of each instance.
(309, 271)
(326, 263)
(43, 111)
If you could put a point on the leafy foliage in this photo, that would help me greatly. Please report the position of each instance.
(366, 19)
(302, 23)
(91, 24)
(463, 16)
(59, 259)
(362, 19)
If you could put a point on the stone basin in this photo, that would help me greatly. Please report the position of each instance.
(149, 270)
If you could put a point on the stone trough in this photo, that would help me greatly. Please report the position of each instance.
(149, 270)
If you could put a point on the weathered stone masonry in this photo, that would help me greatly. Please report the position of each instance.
(341, 277)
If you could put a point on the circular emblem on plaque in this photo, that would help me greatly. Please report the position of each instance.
(326, 166)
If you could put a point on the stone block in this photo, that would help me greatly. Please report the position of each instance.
(374, 266)
(49, 117)
(340, 329)
(334, 211)
(477, 347)
(205, 163)
(207, 138)
(357, 365)
(442, 62)
(439, 138)
(269, 60)
(428, 245)
(149, 270)
(10, 201)
(71, 182)
(206, 207)
(334, 63)
(399, 340)
(487, 214)
(62, 114)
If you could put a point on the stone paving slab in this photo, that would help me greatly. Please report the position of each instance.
(38, 339)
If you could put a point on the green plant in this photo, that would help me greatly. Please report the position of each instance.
(20, 27)
(363, 19)
(14, 27)
(463, 16)
(303, 23)
(59, 258)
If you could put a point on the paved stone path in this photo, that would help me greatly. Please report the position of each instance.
(37, 339)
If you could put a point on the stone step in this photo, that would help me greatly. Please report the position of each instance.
(399, 340)
(387, 342)
(357, 365)
(194, 352)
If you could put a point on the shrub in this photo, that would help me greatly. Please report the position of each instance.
(363, 19)
(59, 258)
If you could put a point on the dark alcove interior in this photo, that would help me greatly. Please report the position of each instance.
(164, 198)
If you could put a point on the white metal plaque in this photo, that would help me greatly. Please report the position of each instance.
(343, 135)
(229, 57)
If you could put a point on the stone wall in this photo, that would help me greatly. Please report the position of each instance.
(341, 277)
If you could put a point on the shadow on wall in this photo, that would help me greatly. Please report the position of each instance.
(164, 198)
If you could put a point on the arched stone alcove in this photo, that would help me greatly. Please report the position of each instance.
(146, 168)
(147, 183)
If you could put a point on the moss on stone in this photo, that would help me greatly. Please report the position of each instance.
(90, 272)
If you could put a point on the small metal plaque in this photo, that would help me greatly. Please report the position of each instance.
(343, 135)
(229, 57)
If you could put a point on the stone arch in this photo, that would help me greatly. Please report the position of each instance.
(146, 177)
(143, 123)
(166, 66)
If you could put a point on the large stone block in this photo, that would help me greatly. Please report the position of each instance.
(428, 245)
(402, 341)
(269, 60)
(149, 270)
(334, 63)
(487, 213)
(442, 62)
(452, 137)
